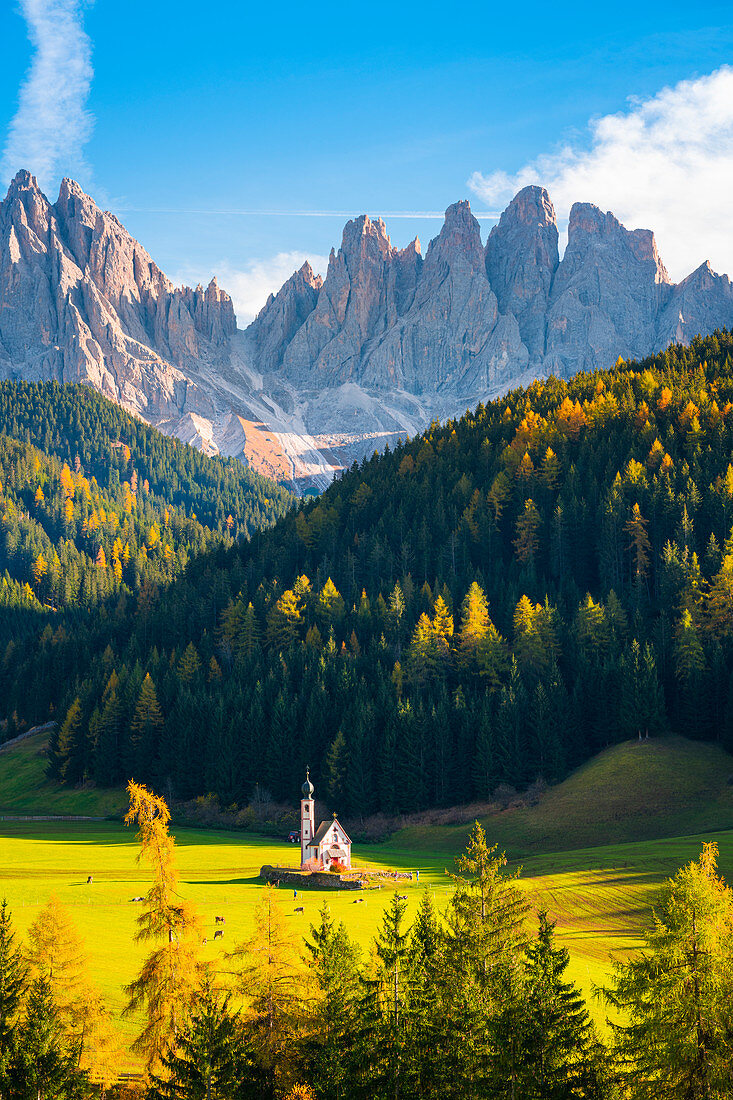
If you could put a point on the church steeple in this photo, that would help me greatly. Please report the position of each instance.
(307, 819)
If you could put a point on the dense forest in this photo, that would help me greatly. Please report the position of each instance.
(492, 602)
(472, 1002)
(96, 506)
(79, 427)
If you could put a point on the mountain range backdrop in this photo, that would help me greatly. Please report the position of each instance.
(333, 368)
(494, 599)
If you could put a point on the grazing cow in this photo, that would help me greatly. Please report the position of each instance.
(218, 934)
(358, 901)
(137, 899)
(90, 880)
(300, 909)
(219, 920)
(402, 897)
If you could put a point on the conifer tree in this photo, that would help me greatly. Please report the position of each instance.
(209, 1057)
(336, 765)
(384, 1054)
(676, 997)
(146, 724)
(56, 954)
(267, 973)
(44, 1064)
(475, 622)
(332, 1018)
(485, 920)
(13, 976)
(165, 985)
(526, 542)
(642, 699)
(66, 755)
(640, 547)
(561, 1055)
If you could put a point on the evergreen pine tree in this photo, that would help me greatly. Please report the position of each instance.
(12, 983)
(44, 1065)
(561, 1055)
(210, 1058)
(332, 1019)
(145, 728)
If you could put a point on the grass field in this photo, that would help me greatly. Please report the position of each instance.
(594, 851)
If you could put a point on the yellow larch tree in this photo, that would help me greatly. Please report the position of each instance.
(40, 569)
(170, 973)
(67, 482)
(56, 952)
(475, 620)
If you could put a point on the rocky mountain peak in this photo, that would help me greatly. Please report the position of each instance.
(531, 206)
(364, 239)
(283, 315)
(592, 231)
(521, 261)
(459, 239)
(387, 341)
(23, 181)
(308, 276)
(70, 188)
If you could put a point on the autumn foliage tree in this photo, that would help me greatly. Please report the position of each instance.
(169, 974)
(675, 999)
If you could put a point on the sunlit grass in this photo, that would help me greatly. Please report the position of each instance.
(594, 852)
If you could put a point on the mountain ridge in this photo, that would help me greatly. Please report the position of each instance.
(335, 367)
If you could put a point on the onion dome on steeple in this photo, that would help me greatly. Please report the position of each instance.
(307, 787)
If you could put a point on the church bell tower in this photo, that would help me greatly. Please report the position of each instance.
(307, 818)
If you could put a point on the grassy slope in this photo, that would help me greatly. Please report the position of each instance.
(24, 788)
(632, 791)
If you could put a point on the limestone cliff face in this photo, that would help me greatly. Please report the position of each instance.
(452, 338)
(699, 304)
(385, 319)
(521, 262)
(282, 316)
(333, 368)
(82, 301)
(351, 309)
(606, 295)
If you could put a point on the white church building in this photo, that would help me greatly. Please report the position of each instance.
(327, 844)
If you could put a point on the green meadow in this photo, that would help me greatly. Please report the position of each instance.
(593, 852)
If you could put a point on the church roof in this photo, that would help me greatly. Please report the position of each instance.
(324, 828)
(321, 831)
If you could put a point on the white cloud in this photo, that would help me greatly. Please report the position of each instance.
(251, 285)
(52, 123)
(665, 164)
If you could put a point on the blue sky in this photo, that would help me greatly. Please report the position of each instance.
(178, 111)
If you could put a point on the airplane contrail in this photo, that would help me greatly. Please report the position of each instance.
(438, 214)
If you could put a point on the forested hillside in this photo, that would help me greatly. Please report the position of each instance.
(80, 427)
(492, 602)
(95, 505)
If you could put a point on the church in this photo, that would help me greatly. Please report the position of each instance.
(328, 844)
